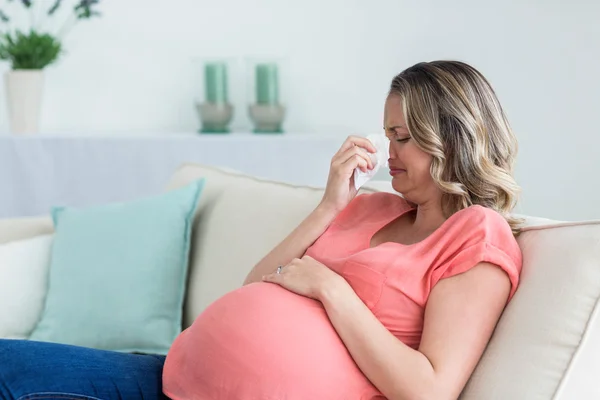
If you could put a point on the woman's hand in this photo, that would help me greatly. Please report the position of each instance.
(340, 183)
(307, 277)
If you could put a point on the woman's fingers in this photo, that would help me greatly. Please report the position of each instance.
(354, 162)
(353, 141)
(352, 152)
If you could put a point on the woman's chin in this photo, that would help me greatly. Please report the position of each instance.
(397, 186)
(401, 189)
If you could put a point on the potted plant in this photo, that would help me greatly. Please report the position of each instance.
(29, 52)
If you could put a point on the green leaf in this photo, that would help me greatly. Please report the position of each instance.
(29, 51)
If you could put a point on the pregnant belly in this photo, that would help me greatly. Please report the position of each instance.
(263, 342)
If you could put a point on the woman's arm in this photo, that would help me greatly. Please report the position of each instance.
(295, 244)
(339, 192)
(460, 316)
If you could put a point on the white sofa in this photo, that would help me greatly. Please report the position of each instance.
(546, 346)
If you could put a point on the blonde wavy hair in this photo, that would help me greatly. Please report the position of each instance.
(453, 114)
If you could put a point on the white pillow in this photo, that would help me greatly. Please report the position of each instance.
(24, 268)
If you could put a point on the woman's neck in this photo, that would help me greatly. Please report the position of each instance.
(429, 217)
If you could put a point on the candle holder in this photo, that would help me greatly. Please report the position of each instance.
(215, 111)
(267, 118)
(215, 117)
(266, 109)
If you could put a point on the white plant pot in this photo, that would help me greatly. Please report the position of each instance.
(24, 99)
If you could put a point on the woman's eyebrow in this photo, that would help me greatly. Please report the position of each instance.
(395, 127)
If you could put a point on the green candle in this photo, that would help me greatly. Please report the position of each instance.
(267, 90)
(215, 79)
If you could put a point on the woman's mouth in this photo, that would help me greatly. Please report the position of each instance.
(396, 171)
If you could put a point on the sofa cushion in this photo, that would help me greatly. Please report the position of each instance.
(239, 219)
(19, 228)
(547, 343)
(24, 268)
(117, 275)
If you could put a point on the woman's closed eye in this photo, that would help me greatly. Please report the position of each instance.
(403, 140)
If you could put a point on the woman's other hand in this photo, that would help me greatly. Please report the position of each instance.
(340, 189)
(307, 277)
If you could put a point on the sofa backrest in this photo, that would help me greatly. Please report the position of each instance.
(547, 343)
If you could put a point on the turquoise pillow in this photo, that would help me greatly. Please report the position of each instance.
(118, 272)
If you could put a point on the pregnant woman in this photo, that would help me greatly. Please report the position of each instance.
(378, 295)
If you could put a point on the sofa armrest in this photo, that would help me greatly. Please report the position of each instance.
(23, 228)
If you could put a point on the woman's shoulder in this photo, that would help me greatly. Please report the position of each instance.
(478, 224)
(473, 235)
(483, 219)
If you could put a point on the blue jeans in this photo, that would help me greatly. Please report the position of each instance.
(46, 371)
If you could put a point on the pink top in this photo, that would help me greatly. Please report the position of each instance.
(263, 342)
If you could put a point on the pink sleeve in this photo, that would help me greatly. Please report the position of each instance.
(490, 240)
(475, 254)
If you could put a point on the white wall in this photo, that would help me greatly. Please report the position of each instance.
(133, 70)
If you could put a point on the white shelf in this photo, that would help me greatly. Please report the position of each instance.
(41, 171)
(177, 136)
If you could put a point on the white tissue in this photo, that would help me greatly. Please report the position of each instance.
(379, 159)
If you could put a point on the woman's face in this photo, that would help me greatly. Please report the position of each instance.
(409, 165)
